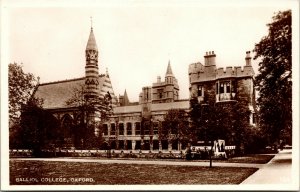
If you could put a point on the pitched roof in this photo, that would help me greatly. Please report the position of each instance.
(181, 104)
(55, 94)
(91, 44)
(128, 109)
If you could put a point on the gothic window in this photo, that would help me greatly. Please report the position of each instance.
(221, 87)
(160, 93)
(137, 128)
(113, 129)
(200, 91)
(155, 128)
(67, 125)
(227, 87)
(146, 128)
(105, 129)
(121, 129)
(129, 129)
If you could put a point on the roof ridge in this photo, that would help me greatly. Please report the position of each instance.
(67, 80)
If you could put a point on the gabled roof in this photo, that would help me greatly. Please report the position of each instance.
(91, 44)
(55, 94)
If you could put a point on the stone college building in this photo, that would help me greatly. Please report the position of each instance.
(134, 125)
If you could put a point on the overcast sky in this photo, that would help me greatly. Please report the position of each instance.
(135, 40)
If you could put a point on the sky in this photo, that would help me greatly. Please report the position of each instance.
(135, 39)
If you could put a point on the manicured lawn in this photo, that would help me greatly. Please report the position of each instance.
(250, 158)
(65, 173)
(253, 158)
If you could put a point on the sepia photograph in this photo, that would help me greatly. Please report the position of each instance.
(150, 95)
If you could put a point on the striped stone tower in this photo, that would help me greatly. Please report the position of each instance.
(108, 89)
(91, 67)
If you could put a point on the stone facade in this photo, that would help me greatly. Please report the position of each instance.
(135, 125)
(211, 84)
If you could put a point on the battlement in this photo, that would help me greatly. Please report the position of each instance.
(208, 72)
(196, 67)
(234, 72)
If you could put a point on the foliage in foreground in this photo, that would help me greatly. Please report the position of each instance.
(274, 82)
(20, 85)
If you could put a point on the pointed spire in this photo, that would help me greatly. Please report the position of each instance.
(106, 73)
(126, 100)
(91, 44)
(169, 69)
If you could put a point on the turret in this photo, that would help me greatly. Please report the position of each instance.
(91, 67)
(169, 74)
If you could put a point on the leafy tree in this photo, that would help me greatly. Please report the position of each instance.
(38, 128)
(274, 82)
(195, 118)
(89, 109)
(223, 120)
(20, 86)
(176, 126)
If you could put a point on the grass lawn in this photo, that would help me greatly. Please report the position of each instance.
(253, 158)
(250, 158)
(69, 173)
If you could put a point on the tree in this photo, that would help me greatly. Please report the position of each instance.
(274, 82)
(38, 128)
(195, 118)
(222, 120)
(92, 111)
(21, 86)
(176, 126)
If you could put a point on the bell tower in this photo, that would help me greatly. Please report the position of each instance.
(91, 67)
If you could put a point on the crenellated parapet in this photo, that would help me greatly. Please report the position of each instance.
(236, 72)
(208, 72)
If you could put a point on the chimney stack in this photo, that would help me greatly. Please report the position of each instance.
(158, 79)
(210, 58)
(248, 58)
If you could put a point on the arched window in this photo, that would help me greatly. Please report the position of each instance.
(137, 128)
(155, 128)
(112, 129)
(129, 129)
(121, 129)
(67, 123)
(105, 129)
